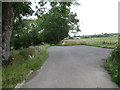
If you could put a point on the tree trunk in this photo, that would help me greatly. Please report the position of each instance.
(7, 16)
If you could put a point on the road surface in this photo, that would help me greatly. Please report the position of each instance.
(73, 67)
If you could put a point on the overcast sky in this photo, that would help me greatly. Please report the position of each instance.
(96, 16)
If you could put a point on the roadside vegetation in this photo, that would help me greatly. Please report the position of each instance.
(105, 42)
(112, 64)
(20, 63)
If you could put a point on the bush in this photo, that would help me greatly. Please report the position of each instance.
(115, 55)
(27, 52)
(112, 64)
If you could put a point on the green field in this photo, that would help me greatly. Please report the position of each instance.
(105, 42)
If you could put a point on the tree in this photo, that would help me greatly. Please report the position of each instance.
(11, 13)
(25, 35)
(57, 22)
(7, 15)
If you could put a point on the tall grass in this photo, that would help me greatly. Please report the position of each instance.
(21, 63)
(112, 64)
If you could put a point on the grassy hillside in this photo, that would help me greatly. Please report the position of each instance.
(105, 42)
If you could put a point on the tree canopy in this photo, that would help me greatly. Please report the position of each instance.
(50, 27)
(57, 22)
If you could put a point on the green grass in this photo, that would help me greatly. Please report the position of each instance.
(112, 65)
(112, 68)
(105, 42)
(20, 64)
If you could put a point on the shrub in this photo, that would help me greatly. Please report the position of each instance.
(115, 55)
(27, 52)
(112, 64)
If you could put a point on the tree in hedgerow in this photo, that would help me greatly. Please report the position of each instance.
(57, 22)
(12, 12)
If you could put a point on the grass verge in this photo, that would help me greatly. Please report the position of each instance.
(112, 65)
(21, 63)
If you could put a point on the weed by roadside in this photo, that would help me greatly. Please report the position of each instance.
(112, 64)
(21, 63)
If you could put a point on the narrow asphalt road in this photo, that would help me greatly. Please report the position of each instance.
(73, 67)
